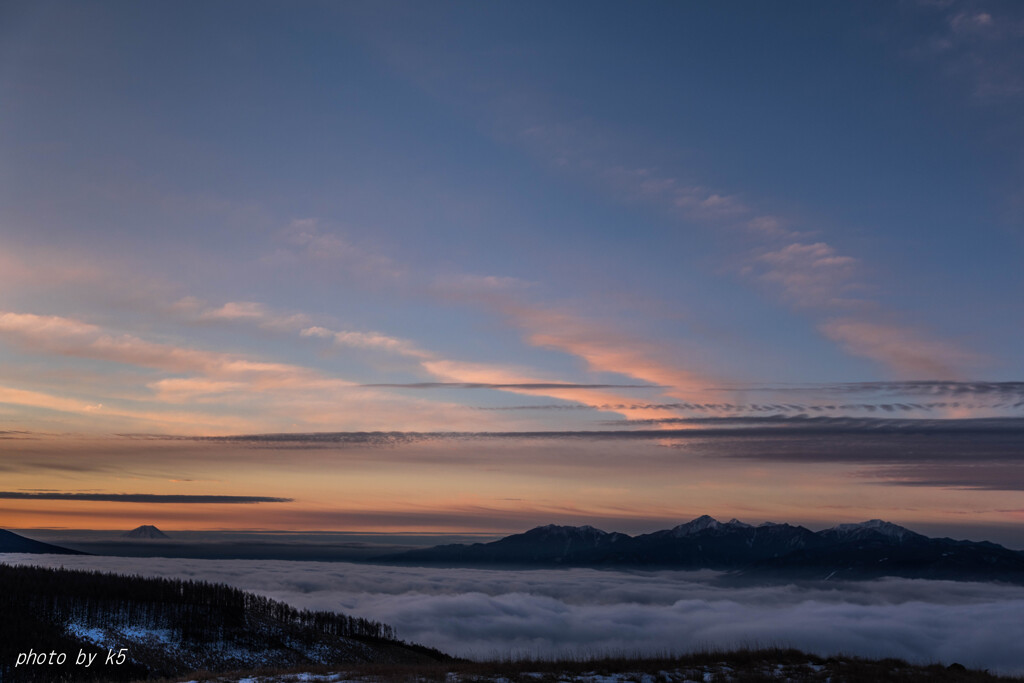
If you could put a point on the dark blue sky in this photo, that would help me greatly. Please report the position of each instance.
(225, 217)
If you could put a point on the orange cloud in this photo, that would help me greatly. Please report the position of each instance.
(99, 411)
(605, 350)
(455, 371)
(283, 395)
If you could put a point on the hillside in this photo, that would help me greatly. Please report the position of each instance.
(169, 627)
(11, 542)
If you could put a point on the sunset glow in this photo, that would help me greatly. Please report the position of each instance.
(476, 267)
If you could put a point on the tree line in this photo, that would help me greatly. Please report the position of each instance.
(37, 604)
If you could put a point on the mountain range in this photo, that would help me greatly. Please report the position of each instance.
(848, 551)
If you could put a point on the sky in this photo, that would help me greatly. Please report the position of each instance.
(778, 245)
(477, 613)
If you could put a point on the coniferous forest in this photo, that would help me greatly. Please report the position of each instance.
(168, 626)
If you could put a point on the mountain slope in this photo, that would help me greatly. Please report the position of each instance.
(11, 542)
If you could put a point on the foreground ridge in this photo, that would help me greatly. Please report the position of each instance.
(168, 627)
(870, 549)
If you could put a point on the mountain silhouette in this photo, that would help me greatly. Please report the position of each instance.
(144, 531)
(11, 542)
(848, 551)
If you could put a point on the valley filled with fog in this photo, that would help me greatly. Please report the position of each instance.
(483, 613)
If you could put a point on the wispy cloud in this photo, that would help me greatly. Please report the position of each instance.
(905, 351)
(816, 277)
(96, 412)
(459, 374)
(260, 315)
(305, 241)
(368, 340)
(809, 274)
(522, 381)
(813, 276)
(978, 45)
(496, 292)
(604, 349)
(251, 312)
(692, 201)
(67, 336)
(602, 345)
(239, 384)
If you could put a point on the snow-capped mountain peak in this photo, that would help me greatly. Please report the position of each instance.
(705, 522)
(144, 531)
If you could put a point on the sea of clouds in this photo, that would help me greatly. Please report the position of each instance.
(484, 613)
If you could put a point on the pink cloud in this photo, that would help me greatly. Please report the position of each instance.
(271, 395)
(99, 414)
(368, 340)
(241, 312)
(69, 337)
(904, 350)
(608, 350)
(456, 371)
(808, 275)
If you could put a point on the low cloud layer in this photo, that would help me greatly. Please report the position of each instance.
(1006, 390)
(140, 498)
(485, 613)
(978, 453)
(805, 424)
(800, 424)
(517, 385)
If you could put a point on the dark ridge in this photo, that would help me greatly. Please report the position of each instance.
(867, 550)
(11, 542)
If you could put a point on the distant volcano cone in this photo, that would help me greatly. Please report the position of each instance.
(144, 531)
